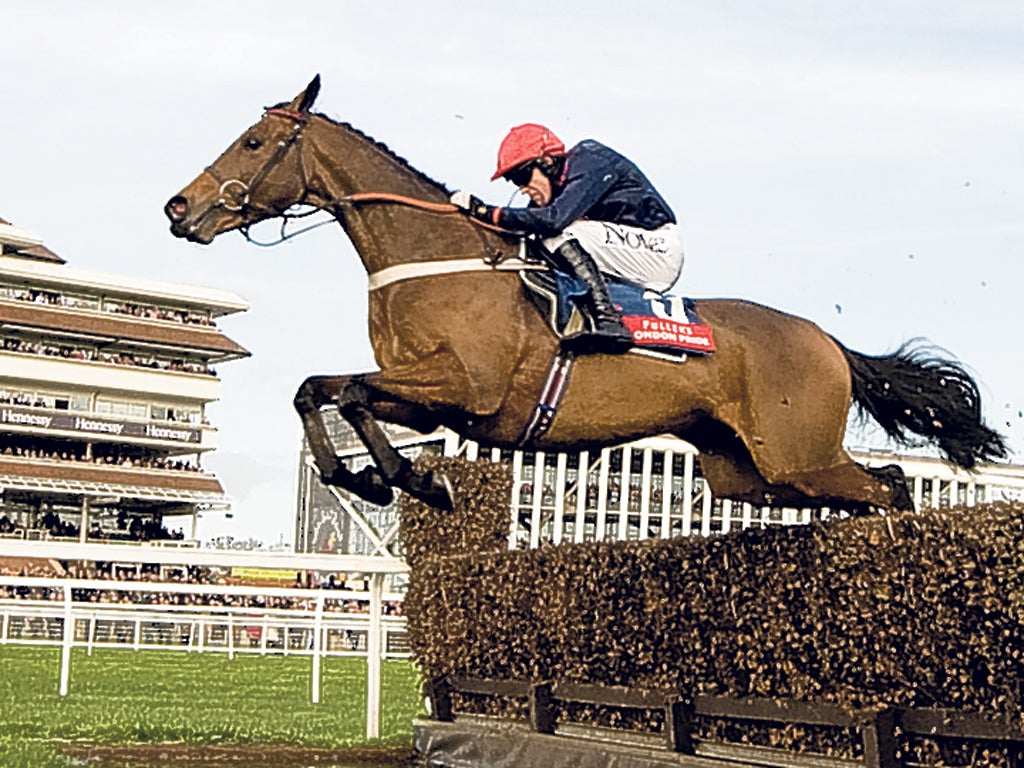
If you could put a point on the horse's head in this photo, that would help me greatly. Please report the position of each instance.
(254, 179)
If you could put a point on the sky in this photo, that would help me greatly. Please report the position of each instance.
(860, 164)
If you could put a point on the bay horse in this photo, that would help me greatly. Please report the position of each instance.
(459, 344)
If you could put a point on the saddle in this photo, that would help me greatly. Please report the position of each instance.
(663, 325)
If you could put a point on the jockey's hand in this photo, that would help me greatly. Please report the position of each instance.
(471, 204)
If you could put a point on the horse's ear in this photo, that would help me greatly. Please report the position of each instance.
(307, 97)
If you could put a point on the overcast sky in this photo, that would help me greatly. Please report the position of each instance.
(855, 163)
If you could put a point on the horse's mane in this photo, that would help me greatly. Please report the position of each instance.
(378, 145)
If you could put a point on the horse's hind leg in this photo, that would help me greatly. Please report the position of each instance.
(856, 489)
(852, 488)
(732, 472)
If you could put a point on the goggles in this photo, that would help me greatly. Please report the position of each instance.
(521, 174)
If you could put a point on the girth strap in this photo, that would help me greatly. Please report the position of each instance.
(550, 398)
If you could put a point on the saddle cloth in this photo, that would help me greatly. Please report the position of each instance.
(661, 324)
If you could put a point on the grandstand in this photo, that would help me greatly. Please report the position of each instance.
(104, 383)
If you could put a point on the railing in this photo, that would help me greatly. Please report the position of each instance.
(878, 726)
(201, 629)
(652, 488)
(38, 534)
(310, 622)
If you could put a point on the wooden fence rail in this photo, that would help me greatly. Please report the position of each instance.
(878, 726)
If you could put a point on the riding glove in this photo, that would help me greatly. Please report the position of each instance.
(471, 204)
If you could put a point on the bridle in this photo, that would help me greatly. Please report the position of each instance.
(235, 195)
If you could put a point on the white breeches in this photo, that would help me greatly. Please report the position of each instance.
(651, 258)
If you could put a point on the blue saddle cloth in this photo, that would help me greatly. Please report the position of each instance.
(658, 321)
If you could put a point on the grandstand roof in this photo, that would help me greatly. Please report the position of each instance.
(86, 479)
(25, 244)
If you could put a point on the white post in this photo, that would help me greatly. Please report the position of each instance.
(517, 482)
(582, 489)
(625, 477)
(602, 494)
(69, 637)
(538, 494)
(92, 632)
(3, 628)
(645, 492)
(561, 468)
(318, 623)
(688, 493)
(231, 636)
(374, 651)
(705, 511)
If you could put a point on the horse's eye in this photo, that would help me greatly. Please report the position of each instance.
(253, 143)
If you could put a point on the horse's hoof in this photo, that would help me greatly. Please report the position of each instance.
(433, 489)
(371, 487)
(367, 484)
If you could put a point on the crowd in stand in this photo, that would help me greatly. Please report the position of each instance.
(21, 398)
(23, 346)
(134, 529)
(148, 312)
(77, 453)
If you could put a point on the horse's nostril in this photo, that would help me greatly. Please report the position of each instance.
(176, 208)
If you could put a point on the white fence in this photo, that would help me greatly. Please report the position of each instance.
(263, 620)
(652, 488)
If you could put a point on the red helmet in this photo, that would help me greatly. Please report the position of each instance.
(526, 142)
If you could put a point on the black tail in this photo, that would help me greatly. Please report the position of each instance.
(914, 391)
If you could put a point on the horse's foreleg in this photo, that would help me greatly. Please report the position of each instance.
(357, 403)
(315, 392)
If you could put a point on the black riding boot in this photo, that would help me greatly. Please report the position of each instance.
(608, 334)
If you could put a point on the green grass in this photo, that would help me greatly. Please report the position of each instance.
(122, 696)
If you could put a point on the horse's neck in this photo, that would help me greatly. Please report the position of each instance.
(384, 234)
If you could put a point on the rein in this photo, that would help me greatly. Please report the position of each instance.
(236, 195)
(359, 198)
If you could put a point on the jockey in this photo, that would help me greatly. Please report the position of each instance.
(595, 212)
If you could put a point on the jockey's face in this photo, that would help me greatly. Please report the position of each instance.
(538, 188)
